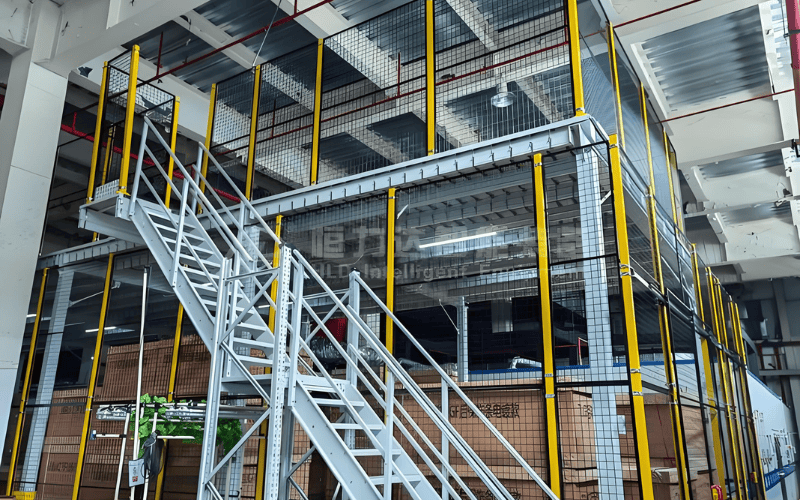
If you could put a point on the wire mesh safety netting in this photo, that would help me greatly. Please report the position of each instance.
(501, 67)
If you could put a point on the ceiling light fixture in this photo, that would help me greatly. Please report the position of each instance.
(106, 328)
(458, 240)
(503, 98)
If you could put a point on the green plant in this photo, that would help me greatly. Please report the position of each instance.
(229, 431)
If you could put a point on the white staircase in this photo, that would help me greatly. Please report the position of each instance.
(368, 439)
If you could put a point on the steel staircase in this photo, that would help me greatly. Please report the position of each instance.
(373, 445)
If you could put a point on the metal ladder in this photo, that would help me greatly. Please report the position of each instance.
(367, 422)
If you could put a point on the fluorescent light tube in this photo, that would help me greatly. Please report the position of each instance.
(458, 240)
(106, 328)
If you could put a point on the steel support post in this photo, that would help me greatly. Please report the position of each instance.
(280, 380)
(755, 449)
(575, 57)
(98, 345)
(462, 352)
(631, 334)
(391, 216)
(212, 108)
(251, 145)
(430, 76)
(98, 131)
(664, 322)
(317, 131)
(612, 55)
(262, 443)
(47, 378)
(598, 317)
(668, 158)
(445, 400)
(26, 386)
(708, 377)
(173, 142)
(130, 110)
(551, 410)
(721, 362)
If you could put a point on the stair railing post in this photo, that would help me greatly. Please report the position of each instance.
(212, 398)
(445, 400)
(196, 176)
(280, 380)
(297, 327)
(353, 336)
(181, 224)
(138, 173)
(388, 443)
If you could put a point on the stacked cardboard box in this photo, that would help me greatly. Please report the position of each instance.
(61, 443)
(120, 380)
(194, 362)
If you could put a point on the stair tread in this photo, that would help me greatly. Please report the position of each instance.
(254, 360)
(412, 478)
(256, 344)
(337, 402)
(197, 248)
(207, 263)
(372, 452)
(186, 233)
(355, 426)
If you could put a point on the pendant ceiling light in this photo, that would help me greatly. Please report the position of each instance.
(503, 98)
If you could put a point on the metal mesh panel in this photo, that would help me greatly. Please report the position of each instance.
(232, 117)
(597, 441)
(337, 239)
(373, 99)
(635, 140)
(596, 70)
(286, 118)
(473, 239)
(506, 51)
(661, 171)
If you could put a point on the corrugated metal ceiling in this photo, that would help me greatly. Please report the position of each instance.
(742, 164)
(710, 60)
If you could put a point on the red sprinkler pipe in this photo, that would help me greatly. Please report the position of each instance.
(793, 17)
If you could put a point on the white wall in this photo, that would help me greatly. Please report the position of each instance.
(774, 421)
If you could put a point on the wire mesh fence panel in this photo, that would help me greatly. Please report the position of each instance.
(661, 169)
(501, 67)
(373, 94)
(596, 435)
(230, 135)
(632, 119)
(580, 211)
(466, 249)
(596, 70)
(285, 121)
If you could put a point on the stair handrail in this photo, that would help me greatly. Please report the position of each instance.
(452, 385)
(187, 177)
(253, 212)
(420, 396)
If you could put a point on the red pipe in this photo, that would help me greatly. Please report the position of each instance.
(793, 17)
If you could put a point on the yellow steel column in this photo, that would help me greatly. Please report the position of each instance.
(612, 55)
(26, 385)
(130, 109)
(262, 443)
(251, 149)
(93, 377)
(98, 130)
(736, 428)
(664, 324)
(575, 57)
(317, 114)
(547, 326)
(173, 372)
(709, 376)
(722, 360)
(755, 450)
(391, 212)
(668, 157)
(212, 109)
(632, 337)
(173, 141)
(430, 76)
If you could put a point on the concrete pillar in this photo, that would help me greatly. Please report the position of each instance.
(29, 130)
(598, 321)
(47, 379)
